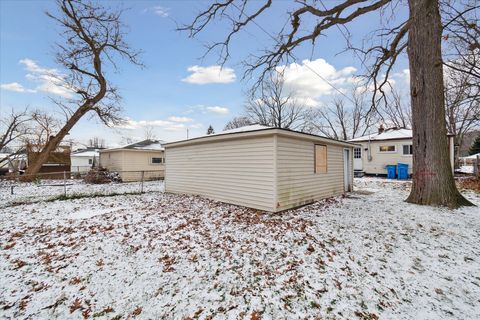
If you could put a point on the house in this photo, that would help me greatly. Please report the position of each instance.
(144, 159)
(57, 164)
(386, 147)
(260, 167)
(469, 160)
(12, 161)
(83, 160)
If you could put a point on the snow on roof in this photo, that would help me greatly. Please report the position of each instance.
(144, 145)
(85, 153)
(388, 134)
(253, 127)
(473, 156)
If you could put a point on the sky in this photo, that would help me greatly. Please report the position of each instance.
(179, 88)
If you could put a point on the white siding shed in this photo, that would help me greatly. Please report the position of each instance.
(259, 167)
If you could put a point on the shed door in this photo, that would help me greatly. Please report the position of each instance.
(357, 159)
(346, 170)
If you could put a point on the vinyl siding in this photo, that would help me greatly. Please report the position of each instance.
(237, 171)
(130, 164)
(379, 160)
(297, 182)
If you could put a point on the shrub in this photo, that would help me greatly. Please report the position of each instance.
(101, 175)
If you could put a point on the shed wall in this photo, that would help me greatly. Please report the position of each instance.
(297, 182)
(237, 171)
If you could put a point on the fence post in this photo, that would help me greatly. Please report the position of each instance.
(65, 183)
(143, 174)
(11, 189)
(476, 166)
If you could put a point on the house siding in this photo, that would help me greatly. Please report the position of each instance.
(237, 171)
(297, 182)
(379, 160)
(130, 163)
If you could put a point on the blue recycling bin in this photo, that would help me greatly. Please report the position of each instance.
(402, 171)
(391, 171)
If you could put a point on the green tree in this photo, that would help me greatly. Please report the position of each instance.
(475, 148)
(210, 130)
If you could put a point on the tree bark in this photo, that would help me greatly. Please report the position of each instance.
(433, 182)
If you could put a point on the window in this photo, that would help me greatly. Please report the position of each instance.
(157, 160)
(90, 161)
(357, 153)
(320, 158)
(387, 149)
(407, 149)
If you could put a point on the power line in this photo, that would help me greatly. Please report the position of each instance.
(293, 56)
(349, 43)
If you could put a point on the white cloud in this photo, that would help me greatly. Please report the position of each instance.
(15, 86)
(50, 80)
(211, 74)
(218, 110)
(305, 80)
(159, 11)
(170, 125)
(180, 119)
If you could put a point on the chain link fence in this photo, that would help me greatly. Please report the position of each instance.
(20, 189)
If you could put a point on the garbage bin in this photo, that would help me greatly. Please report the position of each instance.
(402, 171)
(391, 171)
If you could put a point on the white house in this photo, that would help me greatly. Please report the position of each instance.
(84, 159)
(137, 161)
(387, 147)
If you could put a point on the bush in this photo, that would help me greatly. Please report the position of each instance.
(101, 175)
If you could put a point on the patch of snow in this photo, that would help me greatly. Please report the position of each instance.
(386, 135)
(153, 146)
(466, 169)
(169, 256)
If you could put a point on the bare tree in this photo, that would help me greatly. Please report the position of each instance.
(462, 34)
(396, 112)
(342, 119)
(149, 133)
(93, 37)
(273, 105)
(14, 130)
(238, 122)
(44, 127)
(96, 142)
(462, 106)
(421, 32)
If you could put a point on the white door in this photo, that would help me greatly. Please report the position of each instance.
(346, 170)
(357, 159)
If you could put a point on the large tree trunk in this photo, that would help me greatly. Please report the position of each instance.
(433, 182)
(53, 143)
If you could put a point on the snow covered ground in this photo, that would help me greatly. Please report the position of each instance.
(466, 169)
(47, 189)
(164, 256)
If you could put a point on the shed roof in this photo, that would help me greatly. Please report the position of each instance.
(254, 130)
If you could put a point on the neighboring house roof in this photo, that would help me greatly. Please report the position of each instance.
(147, 145)
(388, 134)
(86, 153)
(251, 130)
